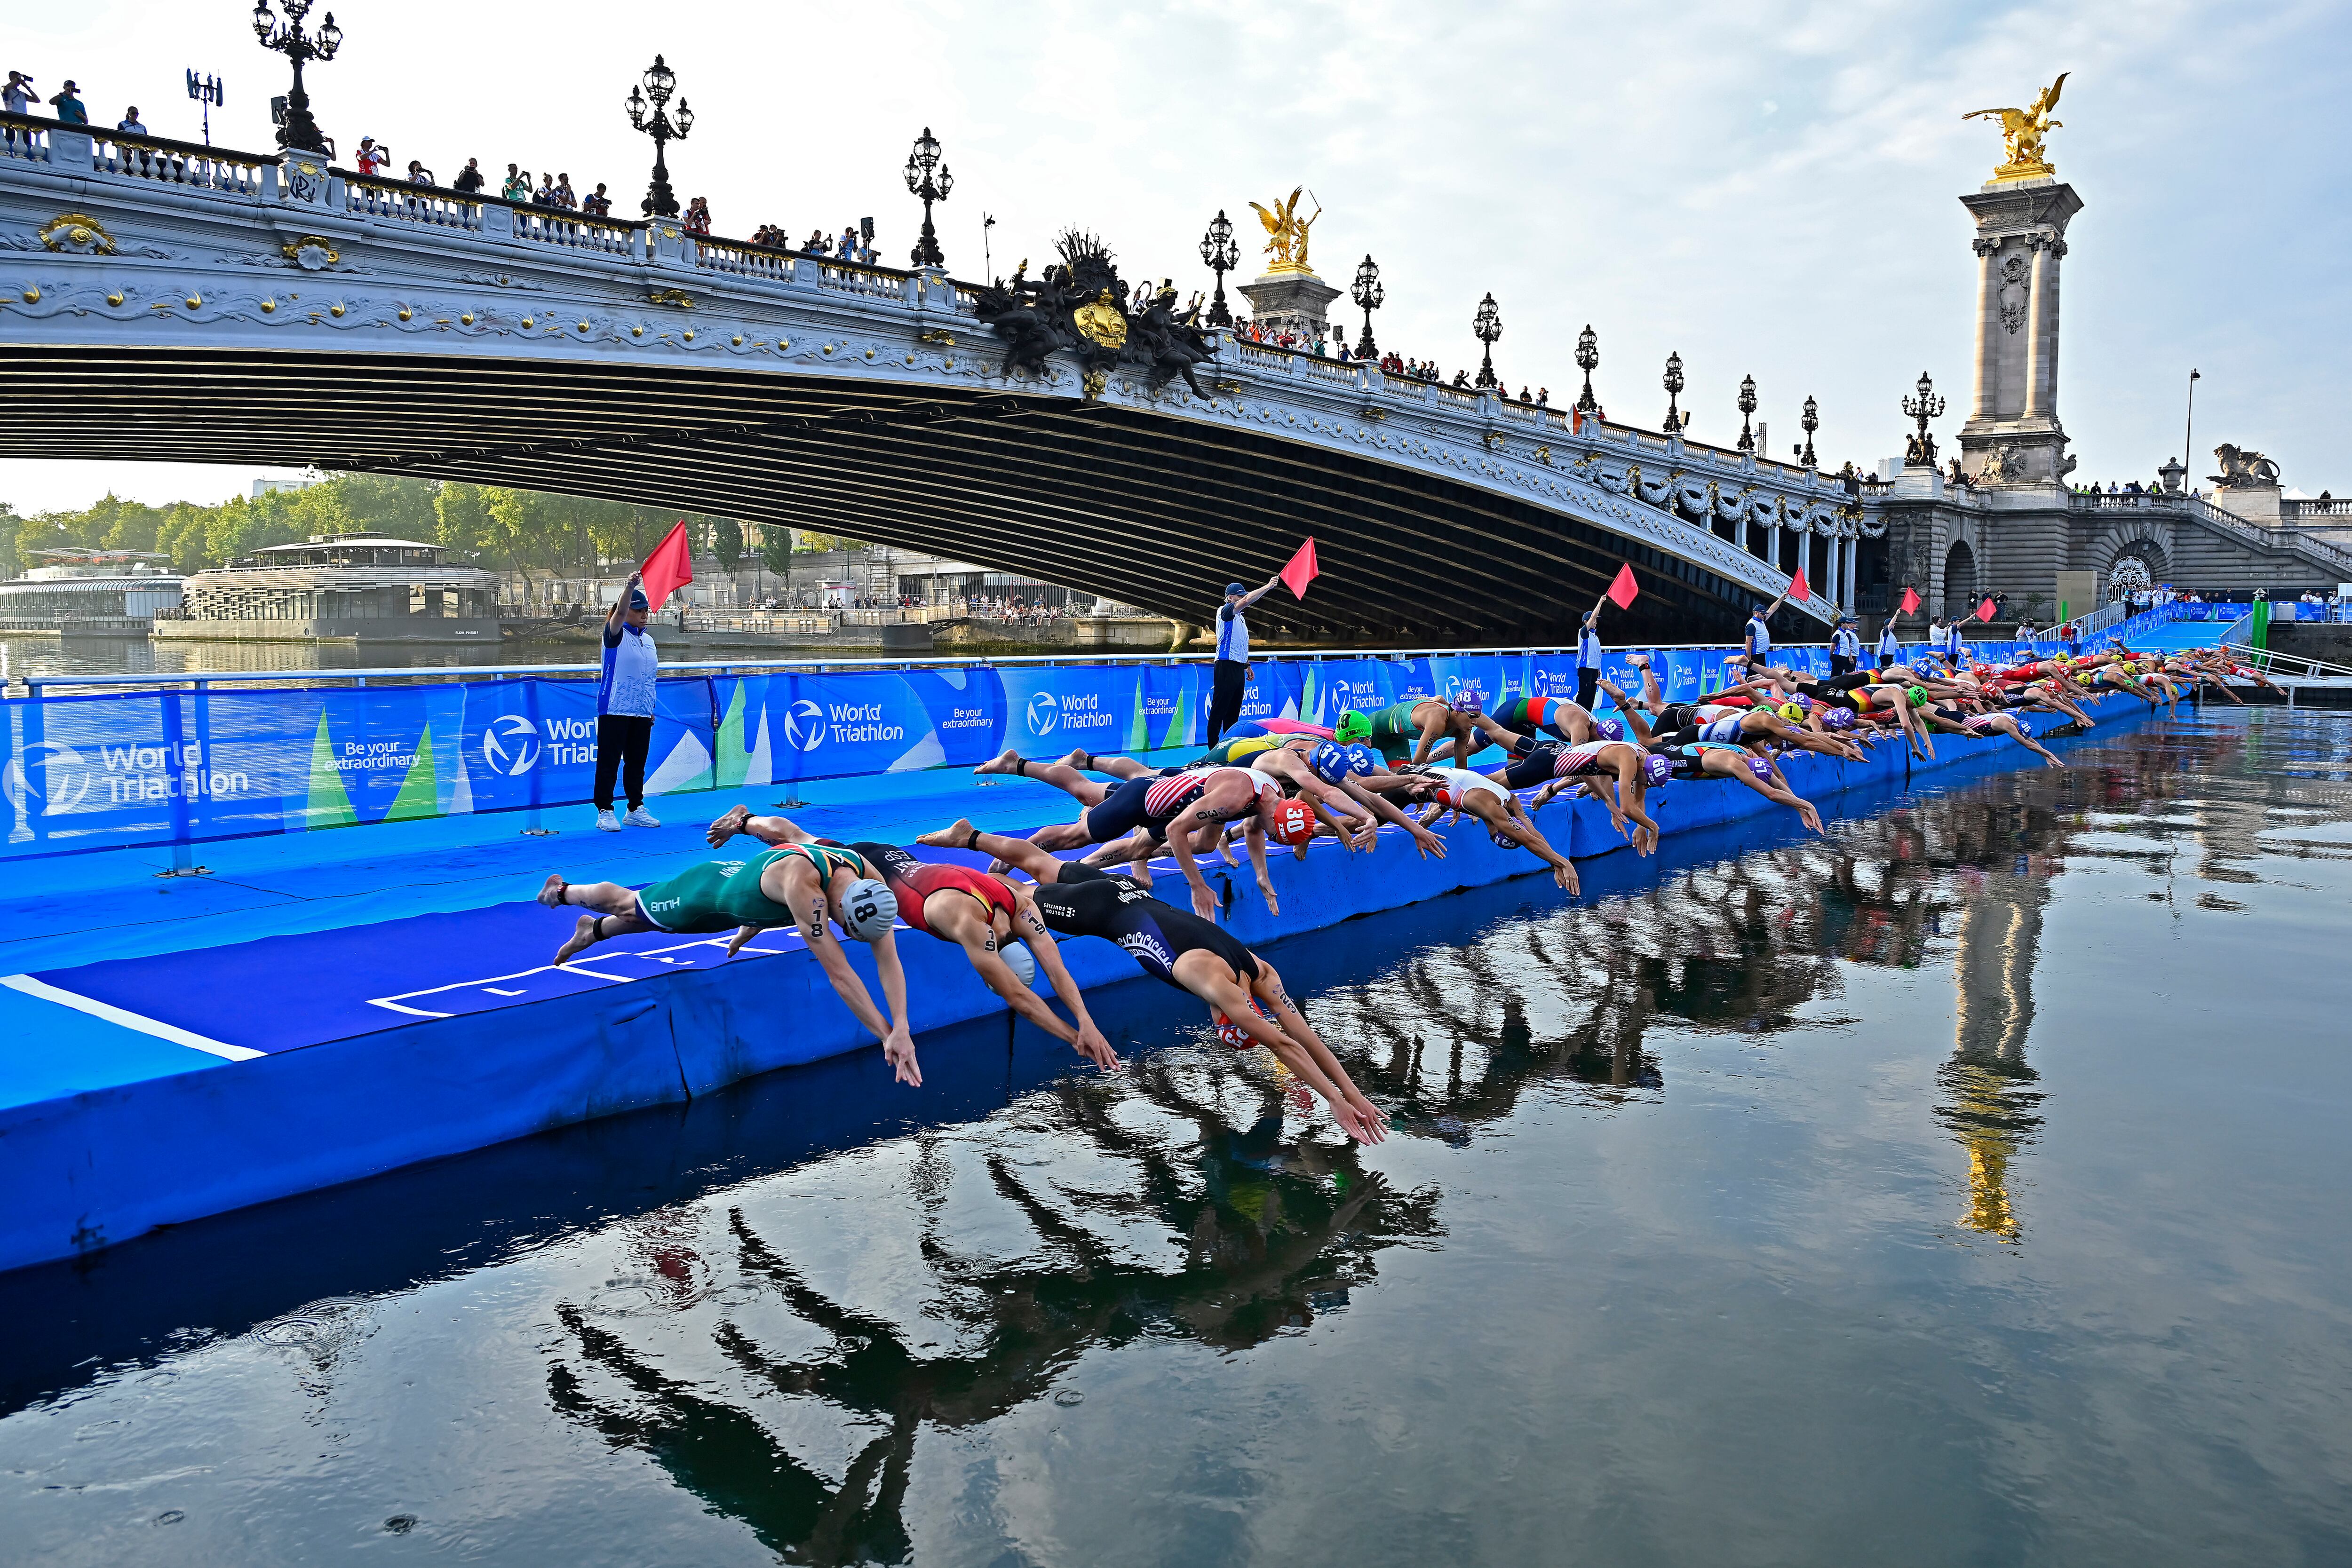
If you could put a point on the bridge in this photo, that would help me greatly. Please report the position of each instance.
(163, 301)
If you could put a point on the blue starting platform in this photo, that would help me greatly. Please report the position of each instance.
(319, 1007)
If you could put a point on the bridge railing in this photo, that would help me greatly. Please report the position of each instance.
(412, 203)
(179, 163)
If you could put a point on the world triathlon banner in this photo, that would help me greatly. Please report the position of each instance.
(102, 771)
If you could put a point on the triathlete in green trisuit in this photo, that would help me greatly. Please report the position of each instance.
(794, 885)
(1411, 729)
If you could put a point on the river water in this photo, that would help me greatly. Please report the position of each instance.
(1968, 1188)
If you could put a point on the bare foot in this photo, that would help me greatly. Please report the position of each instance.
(583, 936)
(1000, 868)
(1083, 761)
(729, 824)
(1639, 660)
(953, 837)
(552, 894)
(1008, 763)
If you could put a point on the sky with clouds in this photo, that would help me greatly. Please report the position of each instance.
(1767, 188)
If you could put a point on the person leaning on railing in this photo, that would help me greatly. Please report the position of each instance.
(469, 178)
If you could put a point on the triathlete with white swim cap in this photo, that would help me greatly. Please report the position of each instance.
(982, 915)
(794, 885)
(1187, 952)
(1464, 794)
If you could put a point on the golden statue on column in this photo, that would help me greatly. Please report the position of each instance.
(1287, 245)
(2022, 131)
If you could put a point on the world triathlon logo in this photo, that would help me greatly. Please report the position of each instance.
(510, 745)
(64, 778)
(804, 724)
(1045, 713)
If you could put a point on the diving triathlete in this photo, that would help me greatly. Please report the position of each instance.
(1187, 952)
(796, 884)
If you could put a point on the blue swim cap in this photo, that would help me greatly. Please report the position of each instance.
(1362, 758)
(1018, 958)
(1329, 762)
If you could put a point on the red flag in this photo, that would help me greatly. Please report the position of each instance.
(1910, 602)
(1622, 593)
(670, 567)
(1302, 570)
(1797, 589)
(1984, 611)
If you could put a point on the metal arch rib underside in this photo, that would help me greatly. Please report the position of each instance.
(1149, 510)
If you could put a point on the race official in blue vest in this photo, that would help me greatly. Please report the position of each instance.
(1588, 657)
(624, 708)
(1890, 646)
(1846, 647)
(1232, 669)
(1759, 644)
(1956, 645)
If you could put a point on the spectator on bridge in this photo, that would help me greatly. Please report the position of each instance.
(130, 122)
(846, 249)
(16, 98)
(518, 185)
(1232, 669)
(371, 157)
(1543, 397)
(625, 707)
(698, 216)
(545, 195)
(562, 193)
(418, 175)
(469, 178)
(599, 205)
(69, 108)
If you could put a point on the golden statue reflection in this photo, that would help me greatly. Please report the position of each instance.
(1288, 244)
(1993, 1098)
(2022, 130)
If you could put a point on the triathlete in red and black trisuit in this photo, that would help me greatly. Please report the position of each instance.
(913, 881)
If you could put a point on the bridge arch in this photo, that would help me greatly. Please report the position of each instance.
(1959, 579)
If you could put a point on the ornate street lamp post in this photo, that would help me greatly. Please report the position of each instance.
(1368, 295)
(660, 82)
(929, 181)
(288, 39)
(1673, 385)
(1588, 359)
(1919, 451)
(1489, 325)
(1747, 407)
(1220, 255)
(1810, 423)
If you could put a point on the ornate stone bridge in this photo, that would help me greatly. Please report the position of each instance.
(165, 301)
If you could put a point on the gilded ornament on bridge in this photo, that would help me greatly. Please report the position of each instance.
(1102, 321)
(310, 253)
(2021, 132)
(677, 296)
(1288, 234)
(77, 234)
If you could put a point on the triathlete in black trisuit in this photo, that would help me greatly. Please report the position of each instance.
(1187, 952)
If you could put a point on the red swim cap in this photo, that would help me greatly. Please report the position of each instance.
(1291, 822)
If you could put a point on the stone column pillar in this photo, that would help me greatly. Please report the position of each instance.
(2057, 248)
(1987, 313)
(2041, 324)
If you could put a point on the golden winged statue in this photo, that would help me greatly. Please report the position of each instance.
(1288, 244)
(2022, 130)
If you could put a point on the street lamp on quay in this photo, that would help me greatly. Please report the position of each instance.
(1587, 359)
(928, 180)
(1747, 407)
(1368, 295)
(1673, 385)
(1810, 423)
(658, 83)
(1220, 255)
(299, 132)
(1489, 325)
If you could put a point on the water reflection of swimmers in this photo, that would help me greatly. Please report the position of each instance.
(1187, 952)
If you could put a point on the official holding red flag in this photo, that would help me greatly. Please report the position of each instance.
(1622, 592)
(625, 696)
(1232, 669)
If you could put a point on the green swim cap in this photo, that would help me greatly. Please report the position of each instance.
(1919, 695)
(1353, 727)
